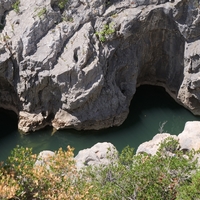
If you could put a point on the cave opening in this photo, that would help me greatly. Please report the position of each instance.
(152, 106)
(8, 121)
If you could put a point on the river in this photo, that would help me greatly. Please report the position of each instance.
(150, 107)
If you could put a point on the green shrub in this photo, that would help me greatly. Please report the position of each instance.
(108, 29)
(42, 12)
(15, 6)
(144, 176)
(191, 190)
(24, 180)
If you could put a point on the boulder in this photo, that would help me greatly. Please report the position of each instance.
(151, 147)
(190, 137)
(100, 154)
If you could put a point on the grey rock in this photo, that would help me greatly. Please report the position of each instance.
(78, 67)
(99, 154)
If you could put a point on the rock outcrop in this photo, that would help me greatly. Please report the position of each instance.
(189, 139)
(76, 64)
(99, 154)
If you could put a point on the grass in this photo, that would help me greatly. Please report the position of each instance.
(15, 6)
(42, 12)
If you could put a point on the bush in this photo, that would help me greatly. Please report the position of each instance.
(166, 175)
(42, 12)
(107, 31)
(59, 180)
(191, 190)
(144, 176)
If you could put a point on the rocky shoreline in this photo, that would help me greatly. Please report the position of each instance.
(77, 64)
(102, 153)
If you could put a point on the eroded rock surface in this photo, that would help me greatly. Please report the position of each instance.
(78, 66)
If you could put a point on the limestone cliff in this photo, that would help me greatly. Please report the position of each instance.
(76, 64)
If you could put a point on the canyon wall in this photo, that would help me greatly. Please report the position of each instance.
(77, 64)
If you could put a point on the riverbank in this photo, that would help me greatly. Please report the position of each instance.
(102, 173)
(150, 107)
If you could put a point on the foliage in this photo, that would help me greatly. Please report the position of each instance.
(68, 19)
(62, 3)
(56, 180)
(170, 174)
(190, 190)
(15, 6)
(42, 12)
(108, 29)
(144, 176)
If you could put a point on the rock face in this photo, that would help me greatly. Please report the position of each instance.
(78, 65)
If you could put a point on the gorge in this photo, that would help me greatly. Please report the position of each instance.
(150, 107)
(78, 66)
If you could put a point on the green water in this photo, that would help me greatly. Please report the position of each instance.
(150, 107)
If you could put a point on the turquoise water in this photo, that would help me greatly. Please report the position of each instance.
(150, 107)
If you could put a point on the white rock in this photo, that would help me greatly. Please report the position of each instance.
(53, 63)
(99, 154)
(190, 137)
(152, 146)
(44, 157)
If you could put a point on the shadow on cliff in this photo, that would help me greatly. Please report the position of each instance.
(8, 121)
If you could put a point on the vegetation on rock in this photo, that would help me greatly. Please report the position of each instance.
(62, 3)
(15, 6)
(107, 30)
(42, 12)
(170, 174)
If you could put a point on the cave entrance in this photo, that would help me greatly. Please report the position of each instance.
(151, 107)
(8, 121)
